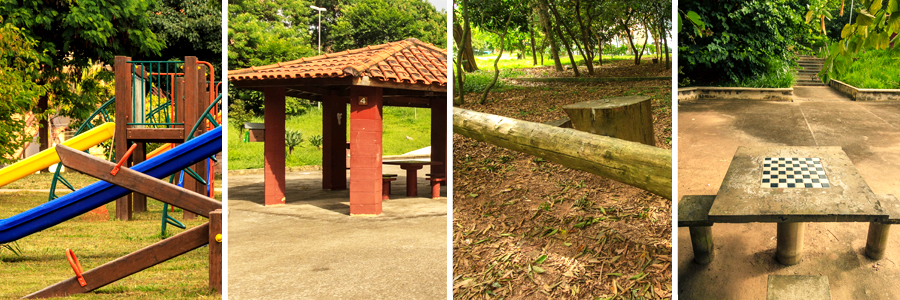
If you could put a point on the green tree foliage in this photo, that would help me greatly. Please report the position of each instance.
(189, 27)
(72, 35)
(372, 22)
(740, 38)
(292, 139)
(262, 33)
(876, 26)
(18, 87)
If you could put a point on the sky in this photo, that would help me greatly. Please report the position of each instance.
(439, 4)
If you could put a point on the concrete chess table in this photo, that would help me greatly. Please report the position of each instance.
(791, 185)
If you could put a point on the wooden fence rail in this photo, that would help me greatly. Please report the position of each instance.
(642, 166)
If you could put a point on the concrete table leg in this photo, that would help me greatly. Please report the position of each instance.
(411, 171)
(876, 243)
(790, 242)
(701, 240)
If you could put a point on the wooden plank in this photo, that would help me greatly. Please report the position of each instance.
(645, 167)
(129, 264)
(366, 81)
(155, 135)
(123, 116)
(408, 102)
(138, 182)
(215, 250)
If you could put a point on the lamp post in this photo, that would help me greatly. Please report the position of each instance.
(320, 9)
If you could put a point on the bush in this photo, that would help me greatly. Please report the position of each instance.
(239, 115)
(292, 138)
(316, 141)
(741, 39)
(296, 106)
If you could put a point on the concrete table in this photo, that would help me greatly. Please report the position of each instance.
(792, 185)
(412, 167)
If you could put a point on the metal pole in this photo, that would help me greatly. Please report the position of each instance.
(320, 31)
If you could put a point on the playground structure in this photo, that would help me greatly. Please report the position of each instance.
(181, 110)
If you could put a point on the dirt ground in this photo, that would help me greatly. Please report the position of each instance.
(709, 134)
(527, 228)
(310, 248)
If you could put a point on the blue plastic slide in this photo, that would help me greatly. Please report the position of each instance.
(102, 192)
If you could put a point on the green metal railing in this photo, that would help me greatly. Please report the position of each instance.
(158, 80)
(206, 116)
(103, 114)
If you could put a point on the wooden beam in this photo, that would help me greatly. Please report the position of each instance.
(366, 81)
(138, 182)
(645, 167)
(155, 135)
(408, 102)
(215, 250)
(123, 117)
(129, 264)
(259, 84)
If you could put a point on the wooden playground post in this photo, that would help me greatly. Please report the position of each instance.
(123, 117)
(215, 250)
(191, 115)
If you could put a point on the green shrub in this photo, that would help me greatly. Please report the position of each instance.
(316, 141)
(292, 138)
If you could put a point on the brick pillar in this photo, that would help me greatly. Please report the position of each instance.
(274, 145)
(123, 116)
(439, 135)
(334, 142)
(365, 150)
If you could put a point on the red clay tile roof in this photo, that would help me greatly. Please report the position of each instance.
(406, 61)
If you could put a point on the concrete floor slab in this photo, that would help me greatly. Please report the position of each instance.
(709, 134)
(310, 248)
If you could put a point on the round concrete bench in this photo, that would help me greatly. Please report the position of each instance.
(693, 213)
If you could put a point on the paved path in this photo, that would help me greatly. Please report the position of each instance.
(310, 248)
(709, 134)
(818, 93)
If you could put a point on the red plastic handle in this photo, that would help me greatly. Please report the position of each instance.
(76, 266)
(115, 169)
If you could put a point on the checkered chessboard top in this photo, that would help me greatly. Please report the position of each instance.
(793, 172)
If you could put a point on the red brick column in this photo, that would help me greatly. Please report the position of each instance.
(334, 142)
(274, 145)
(439, 135)
(365, 150)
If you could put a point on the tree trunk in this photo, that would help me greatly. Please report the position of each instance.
(548, 31)
(628, 118)
(496, 61)
(562, 37)
(44, 124)
(587, 51)
(646, 39)
(531, 33)
(665, 40)
(645, 167)
(464, 41)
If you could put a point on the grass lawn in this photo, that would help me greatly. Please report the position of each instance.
(875, 69)
(399, 123)
(43, 261)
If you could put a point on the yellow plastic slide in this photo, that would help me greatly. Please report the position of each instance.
(48, 157)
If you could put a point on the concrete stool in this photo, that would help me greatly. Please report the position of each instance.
(386, 185)
(797, 287)
(876, 242)
(693, 212)
(436, 185)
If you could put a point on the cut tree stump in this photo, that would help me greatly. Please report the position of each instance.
(628, 118)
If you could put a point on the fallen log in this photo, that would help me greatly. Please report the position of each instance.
(642, 166)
